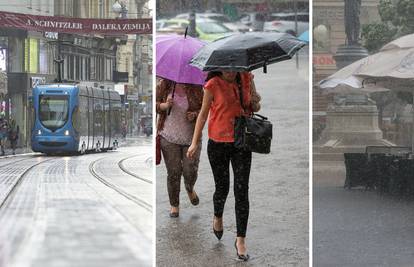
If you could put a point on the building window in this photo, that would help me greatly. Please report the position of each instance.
(16, 52)
(44, 57)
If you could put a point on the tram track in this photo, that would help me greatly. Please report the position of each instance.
(122, 192)
(11, 191)
(125, 170)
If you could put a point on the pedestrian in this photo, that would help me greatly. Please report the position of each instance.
(178, 106)
(221, 103)
(13, 135)
(3, 134)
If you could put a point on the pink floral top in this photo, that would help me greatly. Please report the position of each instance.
(177, 129)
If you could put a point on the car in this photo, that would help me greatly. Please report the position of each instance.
(146, 124)
(220, 18)
(160, 23)
(254, 20)
(285, 22)
(207, 30)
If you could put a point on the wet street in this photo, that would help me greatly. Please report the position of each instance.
(89, 210)
(277, 233)
(357, 227)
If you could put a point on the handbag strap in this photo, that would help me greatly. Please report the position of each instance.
(238, 79)
(239, 85)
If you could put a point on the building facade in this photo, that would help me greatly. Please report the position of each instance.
(29, 57)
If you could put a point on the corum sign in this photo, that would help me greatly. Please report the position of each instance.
(75, 25)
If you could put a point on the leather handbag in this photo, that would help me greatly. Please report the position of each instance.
(253, 132)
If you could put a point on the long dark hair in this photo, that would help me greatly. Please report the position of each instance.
(212, 74)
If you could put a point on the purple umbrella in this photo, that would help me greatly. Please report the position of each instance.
(173, 55)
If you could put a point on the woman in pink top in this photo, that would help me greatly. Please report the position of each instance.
(176, 130)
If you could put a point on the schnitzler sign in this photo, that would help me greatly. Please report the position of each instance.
(75, 25)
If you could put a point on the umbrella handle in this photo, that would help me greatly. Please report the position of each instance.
(186, 30)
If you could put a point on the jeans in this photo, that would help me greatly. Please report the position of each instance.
(178, 164)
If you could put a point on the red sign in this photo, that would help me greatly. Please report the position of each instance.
(324, 60)
(75, 25)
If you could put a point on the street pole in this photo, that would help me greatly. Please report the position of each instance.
(192, 21)
(295, 7)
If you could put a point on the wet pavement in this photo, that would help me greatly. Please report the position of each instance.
(277, 233)
(78, 210)
(357, 227)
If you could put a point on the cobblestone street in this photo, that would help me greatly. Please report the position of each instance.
(277, 233)
(90, 210)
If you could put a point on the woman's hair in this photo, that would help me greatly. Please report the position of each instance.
(213, 74)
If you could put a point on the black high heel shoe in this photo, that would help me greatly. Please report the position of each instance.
(241, 257)
(218, 234)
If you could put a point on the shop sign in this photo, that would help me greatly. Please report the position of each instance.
(51, 35)
(75, 25)
(323, 60)
(132, 97)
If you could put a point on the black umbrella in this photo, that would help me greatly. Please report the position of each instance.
(246, 51)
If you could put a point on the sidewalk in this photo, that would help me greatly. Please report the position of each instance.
(19, 151)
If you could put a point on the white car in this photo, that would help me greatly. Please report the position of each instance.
(221, 18)
(285, 22)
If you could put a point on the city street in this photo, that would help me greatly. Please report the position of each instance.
(357, 227)
(89, 210)
(277, 233)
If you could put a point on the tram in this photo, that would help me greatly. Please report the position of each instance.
(75, 118)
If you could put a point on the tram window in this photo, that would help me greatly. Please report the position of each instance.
(53, 111)
(116, 119)
(80, 123)
(98, 106)
(76, 120)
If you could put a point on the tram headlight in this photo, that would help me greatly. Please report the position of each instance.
(39, 132)
(67, 132)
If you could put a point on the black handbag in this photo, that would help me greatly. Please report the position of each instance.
(252, 133)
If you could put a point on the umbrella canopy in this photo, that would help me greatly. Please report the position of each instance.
(246, 51)
(406, 41)
(304, 36)
(393, 65)
(173, 54)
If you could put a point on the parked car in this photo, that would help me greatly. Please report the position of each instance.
(207, 30)
(160, 23)
(146, 124)
(220, 18)
(253, 20)
(285, 22)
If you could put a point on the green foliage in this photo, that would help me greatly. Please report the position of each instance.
(375, 35)
(397, 19)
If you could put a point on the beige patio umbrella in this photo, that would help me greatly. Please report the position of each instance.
(391, 68)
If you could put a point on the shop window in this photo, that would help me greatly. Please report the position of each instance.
(31, 55)
(16, 59)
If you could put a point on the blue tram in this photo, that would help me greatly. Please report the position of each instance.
(75, 118)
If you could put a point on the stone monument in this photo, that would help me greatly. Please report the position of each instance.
(352, 121)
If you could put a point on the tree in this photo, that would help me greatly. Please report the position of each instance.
(396, 20)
